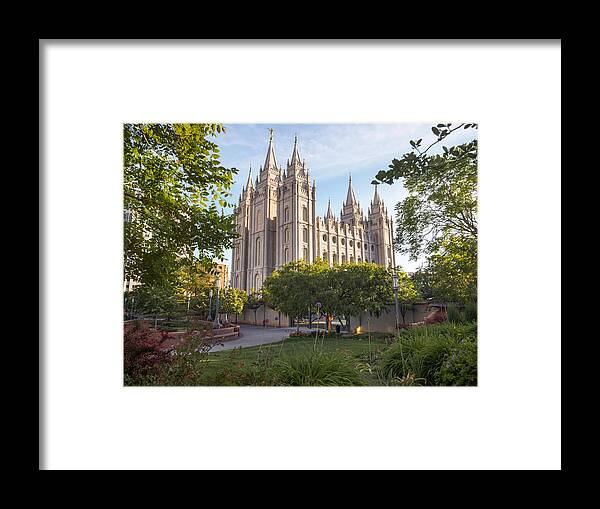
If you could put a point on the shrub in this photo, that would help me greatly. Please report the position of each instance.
(315, 369)
(448, 330)
(420, 353)
(415, 357)
(455, 315)
(144, 352)
(459, 366)
(470, 312)
(467, 314)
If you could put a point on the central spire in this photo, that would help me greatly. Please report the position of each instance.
(295, 154)
(350, 198)
(270, 161)
(376, 196)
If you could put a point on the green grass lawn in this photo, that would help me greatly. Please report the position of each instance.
(356, 345)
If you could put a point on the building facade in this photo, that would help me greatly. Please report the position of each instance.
(277, 223)
(223, 275)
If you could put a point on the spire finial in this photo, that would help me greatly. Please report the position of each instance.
(270, 134)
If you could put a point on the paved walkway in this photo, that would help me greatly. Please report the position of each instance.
(254, 335)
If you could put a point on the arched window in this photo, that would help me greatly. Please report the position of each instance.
(258, 251)
(351, 259)
(257, 281)
(335, 258)
(237, 264)
(343, 258)
(287, 235)
(305, 234)
(304, 214)
(305, 254)
(286, 214)
(359, 259)
(259, 217)
(286, 255)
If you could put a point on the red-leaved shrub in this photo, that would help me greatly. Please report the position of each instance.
(144, 348)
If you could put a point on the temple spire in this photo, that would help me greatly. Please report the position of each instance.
(249, 181)
(270, 161)
(295, 154)
(350, 198)
(376, 199)
(329, 214)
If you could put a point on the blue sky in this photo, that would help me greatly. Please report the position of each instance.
(332, 152)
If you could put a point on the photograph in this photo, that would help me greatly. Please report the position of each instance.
(297, 254)
(286, 244)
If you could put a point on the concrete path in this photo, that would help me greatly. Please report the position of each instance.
(254, 335)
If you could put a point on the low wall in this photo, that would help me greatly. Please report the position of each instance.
(264, 316)
(386, 321)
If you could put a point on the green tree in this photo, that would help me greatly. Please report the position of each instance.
(254, 302)
(438, 218)
(288, 289)
(453, 270)
(442, 193)
(422, 281)
(173, 186)
(156, 299)
(407, 293)
(358, 288)
(343, 290)
(232, 301)
(196, 279)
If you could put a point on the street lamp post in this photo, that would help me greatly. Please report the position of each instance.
(395, 288)
(319, 305)
(216, 323)
(209, 317)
